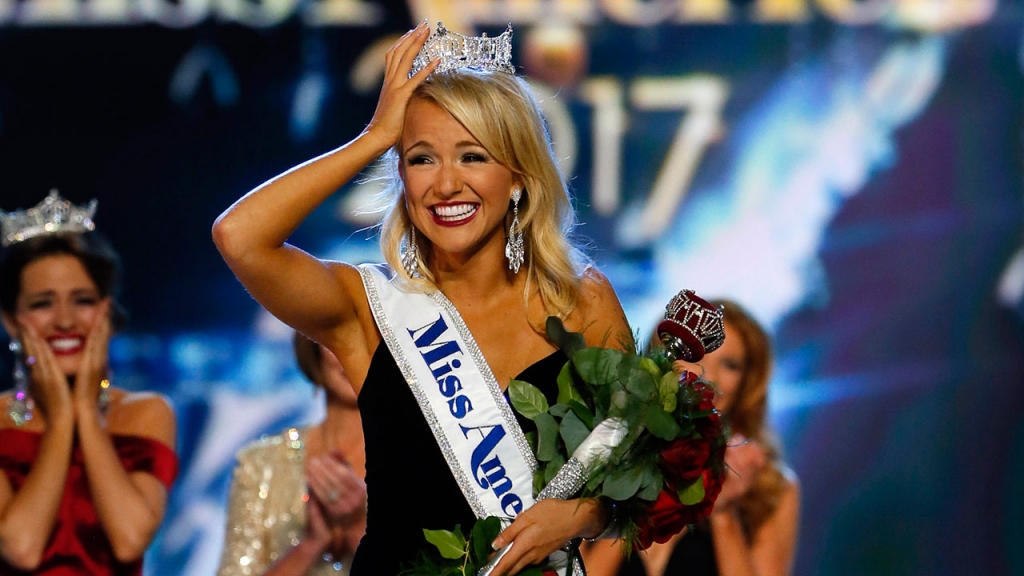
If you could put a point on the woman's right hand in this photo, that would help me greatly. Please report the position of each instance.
(744, 459)
(398, 86)
(49, 387)
(338, 487)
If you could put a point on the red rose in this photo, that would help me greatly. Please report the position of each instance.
(709, 427)
(667, 516)
(705, 394)
(663, 519)
(684, 460)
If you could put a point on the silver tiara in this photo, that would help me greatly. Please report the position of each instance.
(54, 214)
(458, 51)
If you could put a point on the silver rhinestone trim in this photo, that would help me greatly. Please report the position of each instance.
(570, 479)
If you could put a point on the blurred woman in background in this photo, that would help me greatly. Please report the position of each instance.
(86, 466)
(298, 501)
(753, 528)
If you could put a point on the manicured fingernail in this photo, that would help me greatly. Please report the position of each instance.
(494, 545)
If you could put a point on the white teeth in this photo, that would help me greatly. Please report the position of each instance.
(62, 344)
(455, 212)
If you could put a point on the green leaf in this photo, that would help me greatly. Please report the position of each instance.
(640, 384)
(651, 484)
(531, 571)
(558, 410)
(484, 532)
(527, 399)
(622, 485)
(553, 467)
(569, 342)
(531, 439)
(573, 432)
(668, 391)
(652, 368)
(547, 435)
(566, 390)
(692, 494)
(598, 366)
(660, 423)
(583, 412)
(451, 545)
(596, 479)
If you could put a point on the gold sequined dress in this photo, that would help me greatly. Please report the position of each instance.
(266, 507)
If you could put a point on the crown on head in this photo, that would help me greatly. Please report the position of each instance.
(54, 214)
(458, 51)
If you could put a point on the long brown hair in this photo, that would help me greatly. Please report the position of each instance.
(747, 415)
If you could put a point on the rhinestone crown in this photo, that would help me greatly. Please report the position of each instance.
(692, 327)
(54, 214)
(458, 51)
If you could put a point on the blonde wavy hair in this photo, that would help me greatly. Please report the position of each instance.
(502, 113)
(747, 415)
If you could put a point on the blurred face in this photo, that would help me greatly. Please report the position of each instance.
(457, 194)
(724, 367)
(61, 303)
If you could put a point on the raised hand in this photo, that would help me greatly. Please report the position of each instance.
(317, 530)
(93, 368)
(398, 86)
(49, 387)
(744, 459)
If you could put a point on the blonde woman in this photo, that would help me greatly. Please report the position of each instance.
(476, 241)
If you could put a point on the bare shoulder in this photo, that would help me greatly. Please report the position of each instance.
(145, 414)
(792, 487)
(601, 318)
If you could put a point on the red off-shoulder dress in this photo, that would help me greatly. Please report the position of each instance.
(78, 545)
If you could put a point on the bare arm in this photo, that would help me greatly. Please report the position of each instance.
(129, 505)
(28, 515)
(304, 292)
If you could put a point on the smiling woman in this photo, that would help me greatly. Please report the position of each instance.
(86, 466)
(432, 340)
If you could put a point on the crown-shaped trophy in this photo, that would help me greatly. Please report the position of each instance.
(54, 214)
(692, 327)
(458, 51)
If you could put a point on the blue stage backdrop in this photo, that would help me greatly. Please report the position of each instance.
(848, 169)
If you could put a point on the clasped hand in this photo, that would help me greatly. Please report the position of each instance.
(336, 509)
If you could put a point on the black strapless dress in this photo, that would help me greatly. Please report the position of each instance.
(694, 555)
(408, 483)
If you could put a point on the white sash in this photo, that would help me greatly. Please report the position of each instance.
(472, 422)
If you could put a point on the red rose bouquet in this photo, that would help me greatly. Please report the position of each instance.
(666, 470)
(639, 435)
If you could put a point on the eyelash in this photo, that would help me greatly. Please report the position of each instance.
(470, 157)
(83, 301)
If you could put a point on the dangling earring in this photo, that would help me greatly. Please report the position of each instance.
(514, 250)
(410, 258)
(20, 407)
